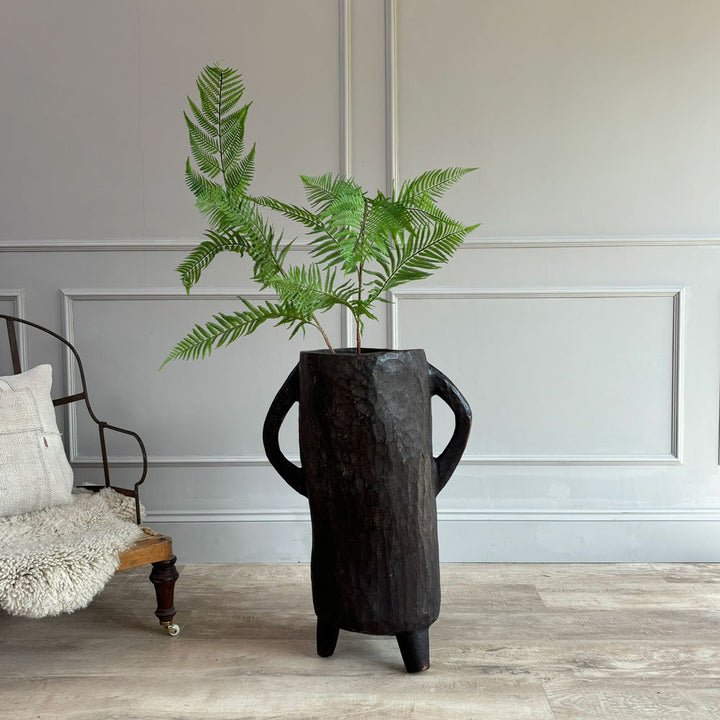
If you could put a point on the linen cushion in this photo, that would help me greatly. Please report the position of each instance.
(34, 471)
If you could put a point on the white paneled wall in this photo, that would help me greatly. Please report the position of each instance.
(581, 320)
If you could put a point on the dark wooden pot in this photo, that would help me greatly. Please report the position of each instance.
(371, 481)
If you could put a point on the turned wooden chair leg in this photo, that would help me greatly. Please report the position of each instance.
(327, 637)
(415, 650)
(163, 577)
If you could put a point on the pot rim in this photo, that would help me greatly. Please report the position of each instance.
(350, 352)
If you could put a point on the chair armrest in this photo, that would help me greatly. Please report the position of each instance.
(102, 426)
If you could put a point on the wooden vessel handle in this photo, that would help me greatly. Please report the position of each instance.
(447, 460)
(286, 397)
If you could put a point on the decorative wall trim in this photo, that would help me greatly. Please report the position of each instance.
(345, 34)
(116, 245)
(456, 515)
(17, 297)
(675, 457)
(677, 393)
(467, 460)
(391, 101)
(108, 245)
(184, 461)
(70, 298)
(579, 459)
(472, 243)
(345, 8)
(529, 242)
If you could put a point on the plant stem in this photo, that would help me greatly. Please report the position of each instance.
(361, 232)
(322, 332)
(358, 339)
(220, 143)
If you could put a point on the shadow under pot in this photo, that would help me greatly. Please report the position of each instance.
(368, 471)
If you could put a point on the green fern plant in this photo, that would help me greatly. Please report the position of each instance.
(361, 245)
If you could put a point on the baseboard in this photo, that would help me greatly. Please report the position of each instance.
(465, 536)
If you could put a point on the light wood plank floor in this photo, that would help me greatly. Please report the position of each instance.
(622, 642)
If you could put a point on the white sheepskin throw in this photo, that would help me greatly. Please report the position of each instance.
(56, 560)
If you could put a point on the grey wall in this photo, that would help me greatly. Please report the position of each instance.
(581, 319)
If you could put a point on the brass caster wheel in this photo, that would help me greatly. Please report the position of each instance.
(172, 628)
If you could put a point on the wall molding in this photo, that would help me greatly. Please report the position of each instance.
(345, 60)
(456, 515)
(468, 460)
(391, 96)
(582, 241)
(677, 293)
(472, 243)
(102, 245)
(17, 297)
(69, 298)
(185, 461)
(345, 32)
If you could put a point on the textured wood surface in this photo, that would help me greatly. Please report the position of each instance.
(366, 449)
(151, 547)
(571, 642)
(368, 471)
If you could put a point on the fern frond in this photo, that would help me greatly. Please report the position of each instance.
(335, 197)
(232, 132)
(310, 291)
(263, 247)
(206, 141)
(387, 218)
(207, 93)
(417, 256)
(426, 212)
(199, 185)
(335, 250)
(240, 175)
(200, 257)
(243, 219)
(341, 209)
(318, 189)
(225, 328)
(232, 89)
(206, 162)
(207, 123)
(432, 183)
(293, 212)
(217, 132)
(328, 244)
(347, 206)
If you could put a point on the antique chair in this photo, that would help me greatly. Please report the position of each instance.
(152, 548)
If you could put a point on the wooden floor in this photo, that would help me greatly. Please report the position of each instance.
(513, 641)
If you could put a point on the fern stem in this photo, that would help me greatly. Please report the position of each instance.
(220, 143)
(361, 232)
(322, 332)
(358, 337)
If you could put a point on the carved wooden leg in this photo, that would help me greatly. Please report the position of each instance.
(415, 650)
(327, 637)
(163, 577)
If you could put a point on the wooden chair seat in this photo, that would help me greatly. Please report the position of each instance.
(152, 547)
